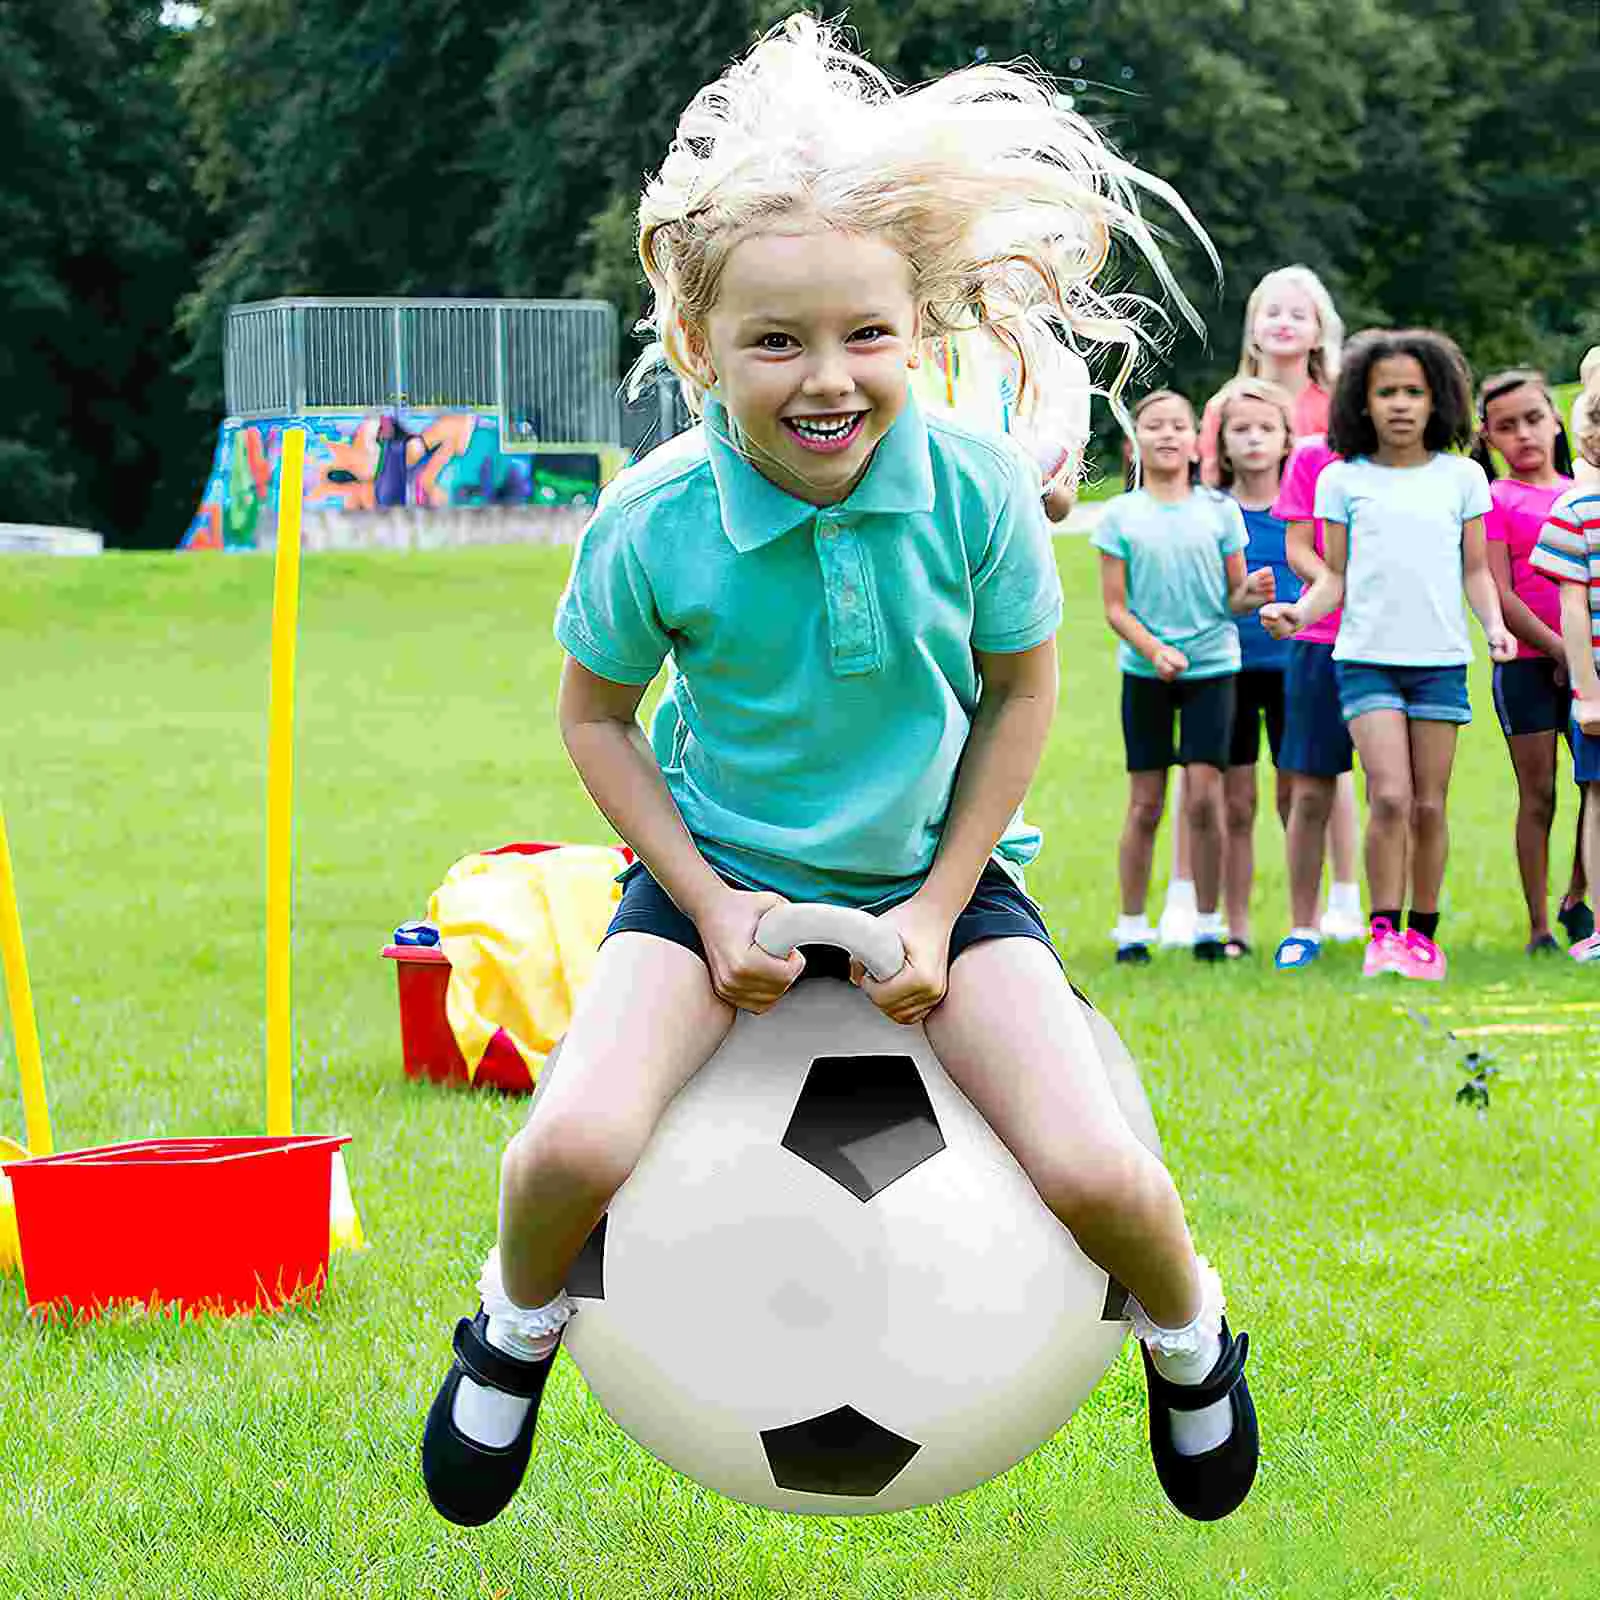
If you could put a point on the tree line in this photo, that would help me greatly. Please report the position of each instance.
(1435, 161)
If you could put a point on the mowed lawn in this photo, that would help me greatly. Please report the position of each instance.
(1419, 1279)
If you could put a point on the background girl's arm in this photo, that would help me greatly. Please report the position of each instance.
(1167, 661)
(1518, 618)
(1482, 594)
(1327, 585)
(1577, 634)
(1247, 591)
(1300, 550)
(1002, 754)
(600, 729)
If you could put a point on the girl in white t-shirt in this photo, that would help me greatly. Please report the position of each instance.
(1403, 534)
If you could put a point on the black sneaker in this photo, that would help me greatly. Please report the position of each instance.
(471, 1483)
(1133, 955)
(1545, 945)
(1210, 950)
(1578, 920)
(1207, 1486)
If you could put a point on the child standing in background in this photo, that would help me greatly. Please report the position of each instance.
(1569, 551)
(1317, 751)
(1405, 522)
(1256, 418)
(1292, 336)
(1172, 578)
(1517, 418)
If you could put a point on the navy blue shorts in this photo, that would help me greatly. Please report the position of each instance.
(1258, 699)
(998, 909)
(1316, 741)
(1527, 697)
(1420, 694)
(1585, 753)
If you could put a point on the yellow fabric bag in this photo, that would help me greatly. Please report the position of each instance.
(521, 933)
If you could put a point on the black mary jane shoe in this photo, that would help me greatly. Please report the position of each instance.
(1211, 1485)
(471, 1483)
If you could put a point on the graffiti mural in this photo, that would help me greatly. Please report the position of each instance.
(383, 460)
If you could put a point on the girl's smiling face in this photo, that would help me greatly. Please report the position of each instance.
(1522, 427)
(1253, 435)
(810, 340)
(1399, 401)
(1286, 324)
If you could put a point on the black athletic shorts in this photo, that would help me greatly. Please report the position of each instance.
(1202, 708)
(1528, 698)
(998, 909)
(1259, 699)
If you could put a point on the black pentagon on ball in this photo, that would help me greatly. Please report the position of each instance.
(863, 1121)
(840, 1452)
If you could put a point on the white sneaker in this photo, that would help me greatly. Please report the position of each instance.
(1344, 927)
(1177, 926)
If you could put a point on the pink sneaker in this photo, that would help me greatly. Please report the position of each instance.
(1586, 949)
(1421, 957)
(1386, 950)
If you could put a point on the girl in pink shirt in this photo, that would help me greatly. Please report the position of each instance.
(1518, 418)
(1292, 335)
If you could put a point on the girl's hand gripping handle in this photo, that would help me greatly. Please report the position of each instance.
(870, 940)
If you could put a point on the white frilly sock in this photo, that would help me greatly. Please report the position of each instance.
(491, 1417)
(1187, 1355)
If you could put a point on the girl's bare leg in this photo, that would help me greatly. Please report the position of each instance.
(1311, 803)
(1385, 746)
(1136, 849)
(619, 1068)
(1533, 759)
(1344, 830)
(1202, 805)
(1238, 846)
(1013, 1037)
(1433, 753)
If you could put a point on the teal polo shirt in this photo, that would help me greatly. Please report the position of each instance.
(823, 682)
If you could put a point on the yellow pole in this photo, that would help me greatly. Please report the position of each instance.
(280, 780)
(35, 1111)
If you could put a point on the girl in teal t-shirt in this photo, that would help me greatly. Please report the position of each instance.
(1172, 577)
(860, 608)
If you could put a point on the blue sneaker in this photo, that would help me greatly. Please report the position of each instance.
(1298, 950)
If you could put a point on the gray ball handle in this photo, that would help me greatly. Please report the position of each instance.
(874, 944)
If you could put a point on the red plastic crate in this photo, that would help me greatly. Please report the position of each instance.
(226, 1224)
(427, 1043)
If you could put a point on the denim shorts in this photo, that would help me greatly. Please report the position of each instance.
(998, 909)
(1420, 694)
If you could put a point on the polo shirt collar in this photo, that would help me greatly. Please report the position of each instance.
(755, 511)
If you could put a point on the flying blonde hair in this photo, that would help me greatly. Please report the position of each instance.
(1324, 362)
(1004, 204)
(1263, 389)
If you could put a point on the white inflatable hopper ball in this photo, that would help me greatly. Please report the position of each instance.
(827, 1286)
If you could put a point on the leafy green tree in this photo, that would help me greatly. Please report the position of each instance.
(101, 230)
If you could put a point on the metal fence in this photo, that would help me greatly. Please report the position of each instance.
(549, 367)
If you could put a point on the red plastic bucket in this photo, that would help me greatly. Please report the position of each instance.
(229, 1224)
(428, 1046)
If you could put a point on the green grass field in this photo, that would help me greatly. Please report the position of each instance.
(1421, 1281)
